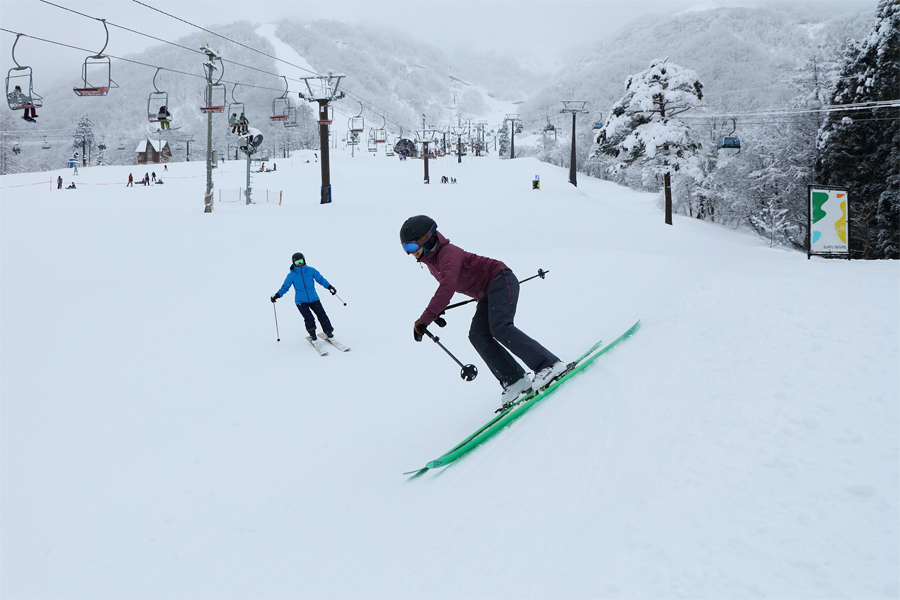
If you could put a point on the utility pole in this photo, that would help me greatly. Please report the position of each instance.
(574, 107)
(208, 67)
(249, 143)
(323, 90)
(513, 119)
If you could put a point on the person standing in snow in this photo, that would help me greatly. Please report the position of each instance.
(130, 180)
(496, 289)
(304, 279)
(59, 182)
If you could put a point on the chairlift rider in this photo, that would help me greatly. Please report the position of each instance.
(163, 117)
(17, 99)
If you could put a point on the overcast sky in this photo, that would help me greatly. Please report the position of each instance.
(547, 28)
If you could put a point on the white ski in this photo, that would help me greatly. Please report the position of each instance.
(320, 348)
(335, 343)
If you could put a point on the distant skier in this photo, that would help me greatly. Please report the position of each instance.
(304, 279)
(59, 182)
(496, 289)
(130, 180)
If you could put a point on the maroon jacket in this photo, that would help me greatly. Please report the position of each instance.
(457, 271)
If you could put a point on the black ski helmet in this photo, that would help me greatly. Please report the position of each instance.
(298, 256)
(420, 229)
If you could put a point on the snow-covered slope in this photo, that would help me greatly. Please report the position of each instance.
(158, 442)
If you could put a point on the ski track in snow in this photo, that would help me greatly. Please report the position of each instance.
(158, 442)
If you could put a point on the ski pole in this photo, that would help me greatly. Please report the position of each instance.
(541, 273)
(468, 372)
(339, 298)
(277, 335)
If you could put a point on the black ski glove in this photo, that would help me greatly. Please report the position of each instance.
(440, 322)
(419, 330)
(332, 290)
(275, 297)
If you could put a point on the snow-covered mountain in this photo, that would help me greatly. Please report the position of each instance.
(399, 78)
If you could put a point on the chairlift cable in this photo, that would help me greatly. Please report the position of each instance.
(224, 38)
(157, 39)
(396, 122)
(135, 62)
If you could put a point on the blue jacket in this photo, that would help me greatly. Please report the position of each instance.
(303, 279)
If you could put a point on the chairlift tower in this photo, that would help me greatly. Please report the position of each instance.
(425, 137)
(323, 90)
(575, 107)
(459, 131)
(513, 119)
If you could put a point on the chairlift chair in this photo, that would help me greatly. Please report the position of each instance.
(46, 144)
(156, 101)
(372, 144)
(381, 133)
(729, 143)
(235, 107)
(326, 114)
(21, 77)
(281, 106)
(291, 120)
(357, 124)
(216, 93)
(215, 98)
(97, 69)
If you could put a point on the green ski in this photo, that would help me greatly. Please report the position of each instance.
(518, 409)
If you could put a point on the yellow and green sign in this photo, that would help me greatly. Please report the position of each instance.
(828, 233)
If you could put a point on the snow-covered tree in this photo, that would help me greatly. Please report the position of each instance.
(860, 149)
(503, 134)
(642, 127)
(83, 141)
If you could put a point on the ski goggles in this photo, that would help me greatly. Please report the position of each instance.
(299, 262)
(411, 247)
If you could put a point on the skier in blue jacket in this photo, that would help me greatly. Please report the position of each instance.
(304, 278)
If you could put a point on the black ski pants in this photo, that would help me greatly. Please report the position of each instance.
(492, 333)
(307, 309)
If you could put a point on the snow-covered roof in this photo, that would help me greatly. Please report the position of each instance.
(155, 144)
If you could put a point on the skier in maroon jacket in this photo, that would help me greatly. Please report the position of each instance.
(496, 289)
